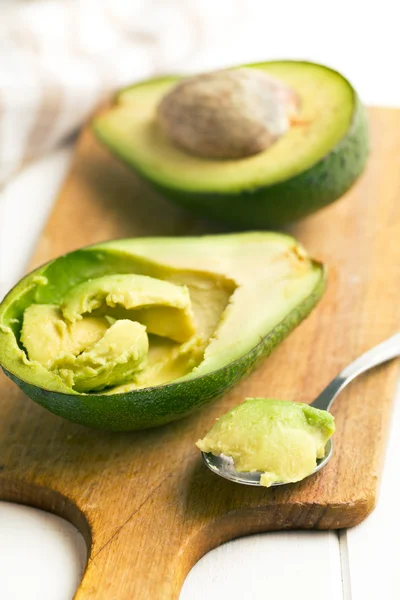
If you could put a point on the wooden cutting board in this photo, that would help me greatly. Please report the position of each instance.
(145, 503)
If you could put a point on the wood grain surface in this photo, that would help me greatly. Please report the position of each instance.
(147, 506)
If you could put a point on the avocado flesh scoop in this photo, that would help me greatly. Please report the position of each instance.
(45, 334)
(115, 358)
(91, 353)
(282, 440)
(163, 307)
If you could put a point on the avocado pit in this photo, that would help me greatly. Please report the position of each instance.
(227, 114)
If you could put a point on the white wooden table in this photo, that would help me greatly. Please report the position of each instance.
(41, 556)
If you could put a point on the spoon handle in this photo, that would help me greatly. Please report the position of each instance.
(377, 355)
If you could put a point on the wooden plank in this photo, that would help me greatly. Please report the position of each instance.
(48, 549)
(144, 501)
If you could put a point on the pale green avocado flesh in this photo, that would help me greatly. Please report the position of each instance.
(163, 307)
(98, 337)
(134, 333)
(313, 164)
(280, 439)
(116, 358)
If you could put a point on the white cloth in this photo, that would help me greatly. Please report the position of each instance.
(60, 58)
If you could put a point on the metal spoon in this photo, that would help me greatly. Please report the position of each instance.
(223, 465)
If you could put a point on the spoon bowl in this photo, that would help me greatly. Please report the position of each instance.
(224, 466)
(387, 350)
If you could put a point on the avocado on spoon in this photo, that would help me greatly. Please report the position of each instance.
(275, 442)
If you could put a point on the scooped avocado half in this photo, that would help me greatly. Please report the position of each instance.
(280, 439)
(89, 334)
(293, 152)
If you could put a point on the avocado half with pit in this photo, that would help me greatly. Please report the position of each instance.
(303, 168)
(134, 333)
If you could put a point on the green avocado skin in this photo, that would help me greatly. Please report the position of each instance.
(295, 198)
(130, 411)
